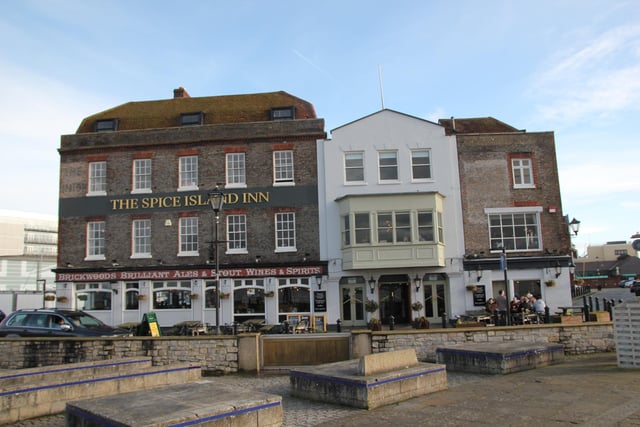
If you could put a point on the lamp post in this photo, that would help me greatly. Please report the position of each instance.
(503, 267)
(216, 200)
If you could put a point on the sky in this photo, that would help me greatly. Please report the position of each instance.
(567, 66)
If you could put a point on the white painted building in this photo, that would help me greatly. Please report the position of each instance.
(391, 226)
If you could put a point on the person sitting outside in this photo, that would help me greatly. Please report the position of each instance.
(539, 305)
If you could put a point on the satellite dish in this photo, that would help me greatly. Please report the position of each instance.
(636, 244)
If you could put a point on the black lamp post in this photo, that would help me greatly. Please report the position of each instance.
(216, 200)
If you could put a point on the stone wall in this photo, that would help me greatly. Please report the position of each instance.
(576, 339)
(222, 354)
(214, 354)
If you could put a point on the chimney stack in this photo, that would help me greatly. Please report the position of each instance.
(180, 93)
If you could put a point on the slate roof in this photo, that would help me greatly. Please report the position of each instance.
(475, 125)
(217, 110)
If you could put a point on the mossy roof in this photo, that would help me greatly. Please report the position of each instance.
(225, 109)
(476, 125)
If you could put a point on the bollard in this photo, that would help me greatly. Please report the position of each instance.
(392, 323)
(586, 313)
(235, 328)
(597, 304)
(590, 302)
(613, 303)
(285, 326)
(339, 325)
(584, 300)
(443, 316)
(547, 317)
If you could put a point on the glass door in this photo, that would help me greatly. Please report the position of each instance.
(352, 305)
(435, 302)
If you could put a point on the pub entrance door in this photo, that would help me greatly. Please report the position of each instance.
(352, 298)
(395, 301)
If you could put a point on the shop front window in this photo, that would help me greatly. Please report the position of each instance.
(172, 295)
(92, 297)
(294, 295)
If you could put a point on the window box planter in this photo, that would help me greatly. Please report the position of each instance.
(49, 297)
(63, 299)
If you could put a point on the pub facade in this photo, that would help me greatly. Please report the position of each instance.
(138, 232)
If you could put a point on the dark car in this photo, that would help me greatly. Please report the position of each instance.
(635, 287)
(56, 323)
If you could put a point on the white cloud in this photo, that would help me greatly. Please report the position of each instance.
(594, 81)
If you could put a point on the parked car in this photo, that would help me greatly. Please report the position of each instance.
(627, 283)
(56, 323)
(635, 287)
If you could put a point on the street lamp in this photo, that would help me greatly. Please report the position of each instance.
(216, 200)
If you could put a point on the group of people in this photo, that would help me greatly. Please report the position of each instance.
(521, 305)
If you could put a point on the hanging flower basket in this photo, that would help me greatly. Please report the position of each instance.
(224, 295)
(416, 306)
(269, 294)
(370, 306)
(142, 297)
(472, 288)
(49, 297)
(194, 296)
(550, 283)
(63, 299)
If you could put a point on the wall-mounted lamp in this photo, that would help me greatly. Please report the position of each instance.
(258, 257)
(478, 273)
(69, 265)
(372, 284)
(575, 226)
(319, 281)
(306, 256)
(114, 263)
(558, 269)
(417, 282)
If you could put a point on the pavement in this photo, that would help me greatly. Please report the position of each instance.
(585, 390)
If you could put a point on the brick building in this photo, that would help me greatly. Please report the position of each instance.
(137, 233)
(511, 202)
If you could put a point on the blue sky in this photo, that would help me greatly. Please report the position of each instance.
(572, 67)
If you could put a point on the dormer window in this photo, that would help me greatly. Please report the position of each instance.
(283, 113)
(191, 119)
(106, 125)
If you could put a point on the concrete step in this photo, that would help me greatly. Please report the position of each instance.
(36, 399)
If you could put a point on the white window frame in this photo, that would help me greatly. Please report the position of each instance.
(285, 231)
(522, 171)
(351, 165)
(236, 170)
(141, 238)
(529, 237)
(188, 173)
(95, 244)
(237, 234)
(141, 180)
(283, 168)
(385, 163)
(188, 244)
(97, 183)
(418, 163)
